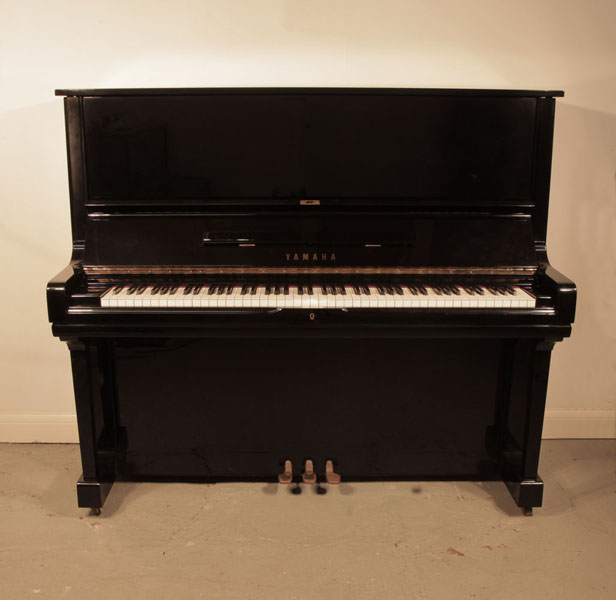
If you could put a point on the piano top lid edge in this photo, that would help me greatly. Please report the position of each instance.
(193, 91)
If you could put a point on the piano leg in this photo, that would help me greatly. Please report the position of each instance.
(92, 494)
(99, 434)
(520, 461)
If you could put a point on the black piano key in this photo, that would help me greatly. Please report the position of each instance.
(253, 290)
(509, 290)
(277, 290)
(469, 289)
(155, 290)
(478, 289)
(211, 290)
(163, 289)
(413, 289)
(332, 290)
(310, 290)
(492, 290)
(244, 290)
(437, 290)
(230, 289)
(300, 290)
(324, 290)
(173, 289)
(141, 289)
(131, 290)
(455, 290)
(422, 290)
(268, 290)
(197, 289)
(187, 290)
(341, 290)
(286, 290)
(389, 289)
(356, 290)
(221, 290)
(365, 290)
(380, 290)
(117, 289)
(398, 290)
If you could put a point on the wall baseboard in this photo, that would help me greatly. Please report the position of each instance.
(38, 427)
(62, 428)
(580, 423)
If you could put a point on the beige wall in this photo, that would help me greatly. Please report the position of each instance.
(545, 44)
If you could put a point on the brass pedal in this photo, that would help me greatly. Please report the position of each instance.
(331, 477)
(309, 476)
(286, 476)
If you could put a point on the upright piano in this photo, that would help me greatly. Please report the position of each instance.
(309, 285)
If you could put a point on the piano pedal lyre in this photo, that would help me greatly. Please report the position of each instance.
(286, 476)
(330, 476)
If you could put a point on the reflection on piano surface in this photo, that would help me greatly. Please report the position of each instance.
(375, 259)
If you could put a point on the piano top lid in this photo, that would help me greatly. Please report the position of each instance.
(316, 90)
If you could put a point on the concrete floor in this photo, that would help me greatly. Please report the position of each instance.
(372, 540)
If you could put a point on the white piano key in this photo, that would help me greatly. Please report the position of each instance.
(525, 299)
(371, 300)
(105, 297)
(119, 300)
(127, 300)
(191, 300)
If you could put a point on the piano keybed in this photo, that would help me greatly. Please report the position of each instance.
(311, 296)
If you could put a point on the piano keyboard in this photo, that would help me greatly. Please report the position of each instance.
(316, 296)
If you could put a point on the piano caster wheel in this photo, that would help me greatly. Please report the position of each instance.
(528, 511)
(331, 477)
(297, 490)
(309, 476)
(96, 512)
(286, 476)
(321, 490)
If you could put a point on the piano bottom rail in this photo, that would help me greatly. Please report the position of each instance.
(526, 493)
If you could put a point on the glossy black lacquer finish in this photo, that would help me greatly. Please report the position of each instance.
(327, 186)
(293, 146)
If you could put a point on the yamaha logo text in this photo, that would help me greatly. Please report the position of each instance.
(310, 257)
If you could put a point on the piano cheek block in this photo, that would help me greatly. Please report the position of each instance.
(309, 286)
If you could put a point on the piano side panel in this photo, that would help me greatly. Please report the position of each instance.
(234, 409)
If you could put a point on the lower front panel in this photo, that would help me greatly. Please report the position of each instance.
(237, 408)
